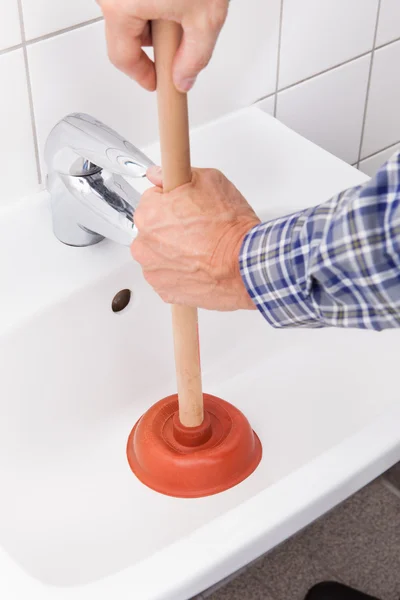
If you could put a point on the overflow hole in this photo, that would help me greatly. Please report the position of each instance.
(121, 300)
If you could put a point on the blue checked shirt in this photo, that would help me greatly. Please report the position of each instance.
(335, 265)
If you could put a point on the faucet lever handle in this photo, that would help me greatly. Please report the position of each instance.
(89, 144)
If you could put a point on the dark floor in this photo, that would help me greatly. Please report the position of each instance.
(358, 543)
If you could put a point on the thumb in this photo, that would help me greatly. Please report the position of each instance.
(154, 175)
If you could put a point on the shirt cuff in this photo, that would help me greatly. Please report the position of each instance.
(273, 269)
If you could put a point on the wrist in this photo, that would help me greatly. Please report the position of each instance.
(245, 299)
(227, 262)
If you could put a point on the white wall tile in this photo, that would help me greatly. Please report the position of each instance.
(316, 35)
(319, 34)
(328, 109)
(267, 105)
(389, 22)
(10, 30)
(371, 165)
(382, 126)
(45, 16)
(244, 64)
(63, 83)
(17, 158)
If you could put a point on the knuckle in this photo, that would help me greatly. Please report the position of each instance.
(137, 250)
(211, 19)
(117, 57)
(216, 173)
(217, 15)
(214, 176)
(152, 280)
(201, 61)
(108, 8)
(149, 277)
(166, 297)
(139, 219)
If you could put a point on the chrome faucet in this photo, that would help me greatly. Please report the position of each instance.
(90, 199)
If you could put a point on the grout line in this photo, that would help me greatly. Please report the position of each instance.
(264, 98)
(387, 43)
(58, 32)
(278, 63)
(379, 151)
(46, 36)
(53, 34)
(371, 66)
(30, 95)
(10, 49)
(310, 77)
(283, 89)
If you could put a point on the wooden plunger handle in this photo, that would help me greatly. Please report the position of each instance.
(175, 160)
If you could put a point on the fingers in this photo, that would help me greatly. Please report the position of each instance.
(172, 287)
(196, 48)
(125, 38)
(192, 57)
(146, 256)
(128, 29)
(146, 36)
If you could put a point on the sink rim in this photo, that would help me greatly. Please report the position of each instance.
(208, 555)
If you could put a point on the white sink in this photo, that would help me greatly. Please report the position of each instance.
(74, 521)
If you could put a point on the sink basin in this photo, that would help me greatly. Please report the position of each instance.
(74, 521)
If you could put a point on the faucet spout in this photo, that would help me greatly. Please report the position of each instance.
(90, 198)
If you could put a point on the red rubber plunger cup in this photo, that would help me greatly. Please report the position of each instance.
(190, 462)
(190, 444)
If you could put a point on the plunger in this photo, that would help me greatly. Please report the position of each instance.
(189, 444)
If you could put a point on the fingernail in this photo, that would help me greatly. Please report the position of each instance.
(186, 84)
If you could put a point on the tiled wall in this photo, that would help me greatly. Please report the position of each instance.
(327, 68)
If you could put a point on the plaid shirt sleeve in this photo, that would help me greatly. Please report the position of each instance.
(336, 265)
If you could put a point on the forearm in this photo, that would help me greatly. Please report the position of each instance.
(337, 264)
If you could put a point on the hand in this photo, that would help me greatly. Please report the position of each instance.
(189, 241)
(128, 30)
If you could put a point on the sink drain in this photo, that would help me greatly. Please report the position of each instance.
(121, 300)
